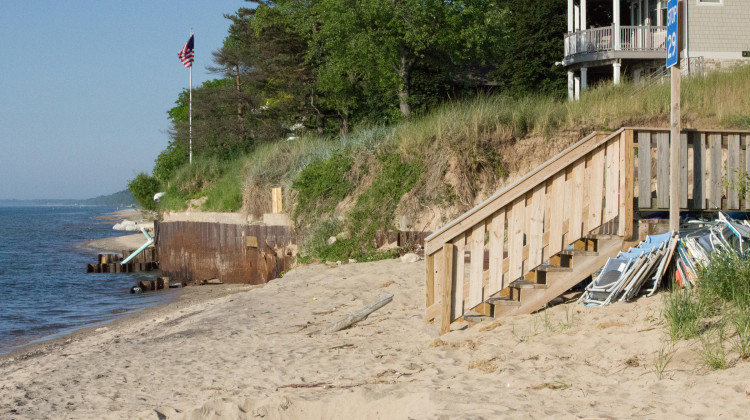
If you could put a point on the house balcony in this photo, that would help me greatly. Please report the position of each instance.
(603, 45)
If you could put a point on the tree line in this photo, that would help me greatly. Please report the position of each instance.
(329, 66)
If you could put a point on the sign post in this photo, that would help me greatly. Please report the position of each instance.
(673, 63)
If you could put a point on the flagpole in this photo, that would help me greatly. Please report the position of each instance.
(190, 117)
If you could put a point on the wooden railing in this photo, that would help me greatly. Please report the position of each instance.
(632, 38)
(592, 187)
(714, 168)
(582, 189)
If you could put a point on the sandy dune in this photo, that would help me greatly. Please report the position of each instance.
(256, 355)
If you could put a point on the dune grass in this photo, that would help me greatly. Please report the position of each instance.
(471, 141)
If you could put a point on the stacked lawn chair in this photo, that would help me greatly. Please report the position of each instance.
(623, 276)
(697, 245)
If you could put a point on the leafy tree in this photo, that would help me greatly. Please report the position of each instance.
(532, 45)
(143, 187)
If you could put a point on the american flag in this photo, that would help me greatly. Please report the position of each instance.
(186, 53)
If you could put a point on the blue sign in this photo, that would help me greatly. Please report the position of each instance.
(672, 42)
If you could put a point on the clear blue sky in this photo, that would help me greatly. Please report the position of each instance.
(85, 86)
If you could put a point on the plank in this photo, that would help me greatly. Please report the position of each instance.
(459, 266)
(644, 170)
(515, 239)
(360, 314)
(446, 312)
(476, 265)
(596, 188)
(746, 141)
(714, 171)
(557, 203)
(612, 181)
(276, 200)
(683, 170)
(733, 169)
(575, 220)
(438, 275)
(662, 170)
(429, 280)
(497, 245)
(699, 170)
(535, 213)
(625, 228)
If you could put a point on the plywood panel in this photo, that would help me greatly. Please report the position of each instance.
(662, 170)
(733, 168)
(476, 264)
(515, 239)
(536, 229)
(497, 241)
(644, 170)
(714, 171)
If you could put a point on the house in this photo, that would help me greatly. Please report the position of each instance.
(607, 39)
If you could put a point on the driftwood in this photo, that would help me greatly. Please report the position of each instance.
(359, 315)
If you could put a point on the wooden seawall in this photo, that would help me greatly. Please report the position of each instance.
(192, 252)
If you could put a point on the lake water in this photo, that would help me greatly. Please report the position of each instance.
(44, 289)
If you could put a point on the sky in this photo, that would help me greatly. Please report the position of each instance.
(85, 86)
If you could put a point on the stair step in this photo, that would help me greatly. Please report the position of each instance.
(581, 252)
(523, 284)
(553, 268)
(601, 236)
(501, 301)
(477, 318)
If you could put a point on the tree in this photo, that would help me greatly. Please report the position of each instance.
(143, 187)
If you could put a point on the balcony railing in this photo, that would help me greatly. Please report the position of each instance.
(632, 38)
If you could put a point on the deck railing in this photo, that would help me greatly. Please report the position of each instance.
(632, 38)
(580, 190)
(714, 168)
(592, 187)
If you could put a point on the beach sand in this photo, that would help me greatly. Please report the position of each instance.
(125, 241)
(258, 354)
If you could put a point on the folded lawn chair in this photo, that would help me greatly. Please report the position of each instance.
(623, 277)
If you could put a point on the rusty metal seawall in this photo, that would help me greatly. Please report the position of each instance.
(192, 252)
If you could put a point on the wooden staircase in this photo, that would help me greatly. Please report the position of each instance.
(554, 227)
(537, 238)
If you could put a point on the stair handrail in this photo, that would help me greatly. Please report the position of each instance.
(523, 185)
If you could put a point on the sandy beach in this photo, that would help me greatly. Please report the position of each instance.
(256, 352)
(125, 241)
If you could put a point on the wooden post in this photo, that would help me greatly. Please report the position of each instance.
(626, 184)
(674, 136)
(276, 200)
(447, 299)
(674, 152)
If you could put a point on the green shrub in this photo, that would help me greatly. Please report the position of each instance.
(322, 185)
(727, 278)
(375, 207)
(143, 187)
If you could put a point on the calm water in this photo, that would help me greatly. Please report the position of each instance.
(44, 289)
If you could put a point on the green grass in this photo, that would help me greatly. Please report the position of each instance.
(683, 311)
(717, 312)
